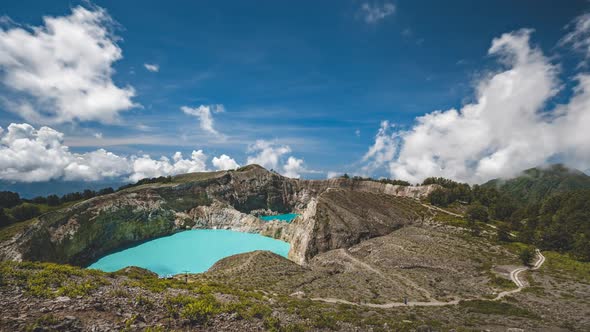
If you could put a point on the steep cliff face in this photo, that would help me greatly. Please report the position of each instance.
(341, 218)
(336, 213)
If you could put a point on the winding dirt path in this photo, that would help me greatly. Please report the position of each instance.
(516, 272)
(514, 276)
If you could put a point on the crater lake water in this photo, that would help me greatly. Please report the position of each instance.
(192, 251)
(281, 217)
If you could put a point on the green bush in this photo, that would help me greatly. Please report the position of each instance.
(477, 212)
(272, 324)
(74, 289)
(9, 199)
(527, 255)
(5, 219)
(201, 309)
(25, 212)
(43, 323)
(325, 320)
(144, 301)
(503, 233)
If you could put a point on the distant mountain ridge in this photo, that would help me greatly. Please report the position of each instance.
(57, 187)
(534, 184)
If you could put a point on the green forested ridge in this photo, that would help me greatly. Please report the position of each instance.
(13, 208)
(534, 184)
(547, 207)
(450, 192)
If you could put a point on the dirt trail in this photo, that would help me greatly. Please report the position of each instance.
(432, 207)
(514, 276)
(386, 305)
(436, 208)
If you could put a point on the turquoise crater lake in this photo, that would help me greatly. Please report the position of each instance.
(192, 251)
(281, 217)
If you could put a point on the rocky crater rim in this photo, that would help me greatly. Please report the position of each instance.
(333, 213)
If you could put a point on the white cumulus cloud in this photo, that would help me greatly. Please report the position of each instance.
(267, 154)
(374, 12)
(205, 115)
(332, 174)
(146, 167)
(505, 130)
(154, 68)
(271, 155)
(224, 162)
(383, 150)
(96, 165)
(34, 155)
(62, 71)
(293, 168)
(30, 155)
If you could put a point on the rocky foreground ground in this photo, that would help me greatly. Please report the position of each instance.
(262, 291)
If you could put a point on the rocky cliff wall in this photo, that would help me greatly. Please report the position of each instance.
(341, 218)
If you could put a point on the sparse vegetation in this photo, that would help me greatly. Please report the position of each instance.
(199, 310)
(394, 182)
(496, 308)
(160, 179)
(569, 267)
(43, 322)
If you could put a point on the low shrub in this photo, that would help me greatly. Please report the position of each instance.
(201, 309)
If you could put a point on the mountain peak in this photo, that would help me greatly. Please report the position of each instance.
(251, 167)
(552, 170)
(538, 182)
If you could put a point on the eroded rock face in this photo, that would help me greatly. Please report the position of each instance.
(341, 218)
(336, 213)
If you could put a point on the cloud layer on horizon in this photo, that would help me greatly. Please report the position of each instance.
(505, 130)
(36, 155)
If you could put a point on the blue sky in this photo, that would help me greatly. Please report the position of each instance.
(316, 77)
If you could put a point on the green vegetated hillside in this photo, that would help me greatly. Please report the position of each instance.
(535, 184)
(547, 207)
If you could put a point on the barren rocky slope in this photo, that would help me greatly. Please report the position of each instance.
(261, 291)
(421, 262)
